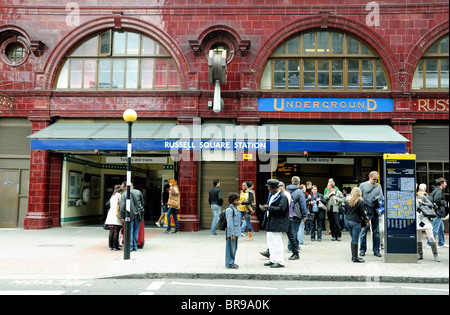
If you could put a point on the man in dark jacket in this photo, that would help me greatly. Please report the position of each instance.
(136, 213)
(298, 215)
(437, 197)
(277, 221)
(215, 201)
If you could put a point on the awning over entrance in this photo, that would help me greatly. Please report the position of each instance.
(148, 136)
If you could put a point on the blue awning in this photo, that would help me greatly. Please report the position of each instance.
(164, 137)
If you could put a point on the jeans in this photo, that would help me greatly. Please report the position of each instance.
(230, 251)
(301, 232)
(135, 224)
(354, 228)
(215, 211)
(246, 223)
(438, 229)
(172, 212)
(375, 236)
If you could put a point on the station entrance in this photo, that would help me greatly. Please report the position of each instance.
(88, 182)
(348, 171)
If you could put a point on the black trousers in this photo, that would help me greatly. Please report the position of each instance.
(292, 238)
(335, 226)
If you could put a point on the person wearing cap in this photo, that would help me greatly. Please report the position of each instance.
(276, 220)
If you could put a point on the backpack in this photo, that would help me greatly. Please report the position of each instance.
(222, 223)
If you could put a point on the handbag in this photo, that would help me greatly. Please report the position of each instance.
(427, 211)
(365, 222)
(321, 205)
(173, 203)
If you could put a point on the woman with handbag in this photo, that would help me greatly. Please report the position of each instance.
(247, 199)
(317, 207)
(174, 205)
(424, 222)
(355, 217)
(113, 218)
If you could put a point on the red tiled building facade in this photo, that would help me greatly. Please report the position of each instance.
(268, 58)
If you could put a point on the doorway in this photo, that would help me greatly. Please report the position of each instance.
(14, 197)
(227, 173)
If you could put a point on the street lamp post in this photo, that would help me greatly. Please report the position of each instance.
(130, 117)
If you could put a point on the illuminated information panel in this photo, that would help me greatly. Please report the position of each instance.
(400, 214)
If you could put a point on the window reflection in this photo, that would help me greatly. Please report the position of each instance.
(322, 60)
(118, 60)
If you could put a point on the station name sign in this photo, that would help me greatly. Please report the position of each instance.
(431, 105)
(214, 145)
(331, 105)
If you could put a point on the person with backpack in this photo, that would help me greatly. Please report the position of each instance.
(372, 194)
(438, 199)
(232, 228)
(424, 223)
(297, 216)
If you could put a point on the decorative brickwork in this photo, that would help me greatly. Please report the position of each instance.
(255, 28)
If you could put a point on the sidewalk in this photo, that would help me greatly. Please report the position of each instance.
(83, 253)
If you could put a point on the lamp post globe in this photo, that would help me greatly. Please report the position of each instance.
(129, 115)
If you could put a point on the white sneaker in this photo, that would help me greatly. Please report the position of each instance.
(158, 224)
(445, 246)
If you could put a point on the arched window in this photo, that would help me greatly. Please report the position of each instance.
(432, 72)
(324, 61)
(118, 61)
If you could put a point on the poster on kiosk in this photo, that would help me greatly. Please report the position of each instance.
(400, 208)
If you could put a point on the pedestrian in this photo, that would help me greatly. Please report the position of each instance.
(438, 200)
(164, 207)
(290, 235)
(310, 216)
(113, 218)
(246, 208)
(355, 214)
(233, 230)
(136, 213)
(297, 216)
(316, 206)
(325, 192)
(327, 189)
(215, 200)
(346, 192)
(174, 206)
(276, 218)
(424, 223)
(308, 187)
(333, 199)
(372, 195)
